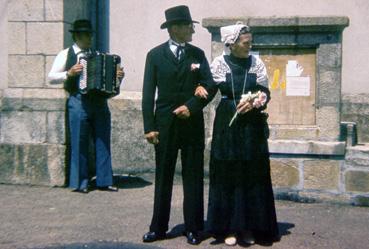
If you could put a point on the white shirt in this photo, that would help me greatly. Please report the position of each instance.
(174, 45)
(58, 73)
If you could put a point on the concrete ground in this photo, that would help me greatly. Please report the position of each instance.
(53, 218)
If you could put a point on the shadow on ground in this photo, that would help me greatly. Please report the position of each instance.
(100, 245)
(130, 181)
(283, 227)
(126, 182)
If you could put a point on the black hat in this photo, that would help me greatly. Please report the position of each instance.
(175, 14)
(82, 25)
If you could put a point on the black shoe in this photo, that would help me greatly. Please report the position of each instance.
(108, 188)
(82, 190)
(153, 236)
(193, 238)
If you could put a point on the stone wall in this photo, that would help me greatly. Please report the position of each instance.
(32, 122)
(355, 108)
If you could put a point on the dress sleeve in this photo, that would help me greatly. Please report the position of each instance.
(148, 95)
(261, 72)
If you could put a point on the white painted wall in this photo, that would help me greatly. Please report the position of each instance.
(3, 44)
(134, 29)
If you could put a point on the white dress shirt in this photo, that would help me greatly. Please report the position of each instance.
(174, 46)
(58, 72)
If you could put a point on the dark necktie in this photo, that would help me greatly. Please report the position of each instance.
(179, 52)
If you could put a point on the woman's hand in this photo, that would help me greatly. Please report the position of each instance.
(201, 92)
(152, 137)
(244, 106)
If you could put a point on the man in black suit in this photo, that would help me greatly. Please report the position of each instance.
(174, 121)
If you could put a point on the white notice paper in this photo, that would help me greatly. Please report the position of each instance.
(293, 68)
(298, 86)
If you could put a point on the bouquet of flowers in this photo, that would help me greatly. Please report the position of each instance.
(258, 99)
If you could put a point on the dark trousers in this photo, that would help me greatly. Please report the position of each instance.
(192, 158)
(89, 116)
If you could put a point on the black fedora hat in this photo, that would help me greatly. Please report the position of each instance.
(175, 14)
(81, 25)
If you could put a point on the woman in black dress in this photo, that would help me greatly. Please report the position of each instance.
(241, 203)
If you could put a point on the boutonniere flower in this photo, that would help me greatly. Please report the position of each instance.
(195, 67)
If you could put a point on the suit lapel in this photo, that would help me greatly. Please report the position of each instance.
(168, 54)
(182, 66)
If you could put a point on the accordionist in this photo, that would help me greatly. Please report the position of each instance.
(89, 86)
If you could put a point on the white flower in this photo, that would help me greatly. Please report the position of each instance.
(258, 99)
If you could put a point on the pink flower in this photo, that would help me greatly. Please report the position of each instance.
(195, 66)
(260, 100)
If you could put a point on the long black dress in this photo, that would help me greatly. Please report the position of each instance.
(241, 194)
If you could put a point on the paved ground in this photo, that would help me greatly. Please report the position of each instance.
(53, 218)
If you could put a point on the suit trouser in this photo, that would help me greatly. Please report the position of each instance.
(88, 116)
(192, 158)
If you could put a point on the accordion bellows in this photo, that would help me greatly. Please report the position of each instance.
(99, 74)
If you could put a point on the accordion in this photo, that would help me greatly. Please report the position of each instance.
(99, 74)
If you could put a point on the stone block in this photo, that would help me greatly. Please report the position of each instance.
(357, 156)
(22, 127)
(329, 87)
(328, 120)
(56, 164)
(357, 181)
(44, 99)
(6, 162)
(49, 64)
(360, 200)
(12, 99)
(293, 132)
(26, 71)
(329, 55)
(17, 99)
(277, 21)
(16, 38)
(285, 173)
(30, 165)
(279, 38)
(36, 164)
(44, 38)
(309, 38)
(325, 196)
(130, 151)
(362, 125)
(355, 108)
(321, 175)
(26, 10)
(352, 108)
(56, 127)
(306, 147)
(54, 10)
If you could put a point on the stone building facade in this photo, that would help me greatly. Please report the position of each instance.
(32, 116)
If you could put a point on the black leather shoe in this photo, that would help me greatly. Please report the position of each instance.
(153, 236)
(193, 238)
(82, 190)
(108, 188)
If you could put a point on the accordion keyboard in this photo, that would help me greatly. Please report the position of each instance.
(83, 76)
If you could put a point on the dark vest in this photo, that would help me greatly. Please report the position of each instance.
(71, 84)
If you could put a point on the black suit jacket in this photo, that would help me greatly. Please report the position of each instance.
(175, 83)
